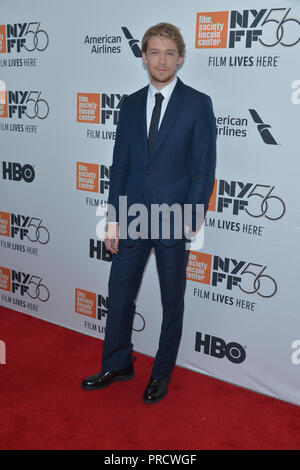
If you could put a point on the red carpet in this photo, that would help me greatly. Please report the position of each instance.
(43, 406)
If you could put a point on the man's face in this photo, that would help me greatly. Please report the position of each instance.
(161, 59)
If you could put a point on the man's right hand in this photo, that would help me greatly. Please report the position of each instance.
(111, 237)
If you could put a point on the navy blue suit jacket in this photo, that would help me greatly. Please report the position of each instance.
(181, 168)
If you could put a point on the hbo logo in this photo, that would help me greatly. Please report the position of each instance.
(217, 347)
(16, 172)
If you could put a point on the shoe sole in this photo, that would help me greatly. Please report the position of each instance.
(98, 387)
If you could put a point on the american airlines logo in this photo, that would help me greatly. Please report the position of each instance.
(263, 128)
(133, 43)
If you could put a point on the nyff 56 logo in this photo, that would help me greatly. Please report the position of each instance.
(23, 227)
(250, 278)
(23, 36)
(257, 200)
(23, 284)
(96, 108)
(265, 27)
(23, 103)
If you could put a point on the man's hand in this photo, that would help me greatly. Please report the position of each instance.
(188, 232)
(111, 237)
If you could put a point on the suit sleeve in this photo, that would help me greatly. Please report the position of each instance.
(120, 167)
(203, 158)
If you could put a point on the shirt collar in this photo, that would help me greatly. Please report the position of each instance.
(166, 91)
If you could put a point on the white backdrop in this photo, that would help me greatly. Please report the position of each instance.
(66, 66)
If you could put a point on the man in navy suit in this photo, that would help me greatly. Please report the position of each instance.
(164, 154)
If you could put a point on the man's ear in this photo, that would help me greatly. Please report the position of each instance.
(180, 59)
(144, 58)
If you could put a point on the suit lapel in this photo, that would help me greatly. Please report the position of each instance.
(171, 114)
(142, 121)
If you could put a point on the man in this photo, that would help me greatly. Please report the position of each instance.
(164, 153)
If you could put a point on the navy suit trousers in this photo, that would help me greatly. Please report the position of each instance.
(125, 278)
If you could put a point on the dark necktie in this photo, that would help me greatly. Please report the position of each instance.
(153, 129)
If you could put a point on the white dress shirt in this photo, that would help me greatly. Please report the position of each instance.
(166, 92)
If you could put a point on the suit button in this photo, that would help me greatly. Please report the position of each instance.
(193, 177)
(147, 171)
(142, 196)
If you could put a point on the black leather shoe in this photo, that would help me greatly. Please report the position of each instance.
(102, 380)
(156, 390)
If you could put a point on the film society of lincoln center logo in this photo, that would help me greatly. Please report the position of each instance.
(86, 304)
(88, 107)
(250, 278)
(99, 108)
(92, 177)
(95, 306)
(245, 28)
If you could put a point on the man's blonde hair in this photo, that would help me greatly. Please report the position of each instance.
(165, 30)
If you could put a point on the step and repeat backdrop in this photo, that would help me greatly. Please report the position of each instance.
(65, 67)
